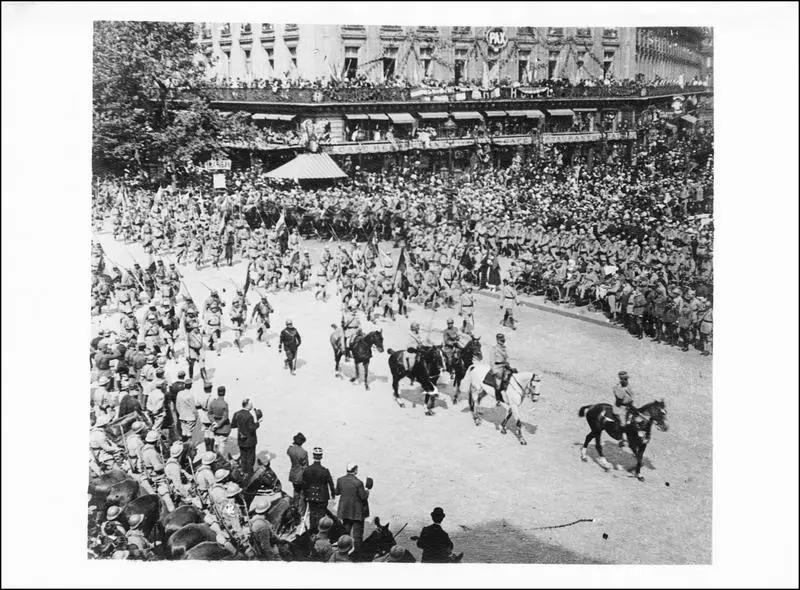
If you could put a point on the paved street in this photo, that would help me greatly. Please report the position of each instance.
(419, 462)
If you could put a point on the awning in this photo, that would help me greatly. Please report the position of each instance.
(436, 115)
(560, 112)
(272, 117)
(308, 166)
(358, 117)
(689, 119)
(401, 118)
(496, 113)
(531, 114)
(378, 117)
(467, 116)
(585, 110)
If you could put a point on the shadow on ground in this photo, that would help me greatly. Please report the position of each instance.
(500, 542)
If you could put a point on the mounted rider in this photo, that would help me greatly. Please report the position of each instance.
(415, 341)
(451, 343)
(501, 369)
(350, 325)
(623, 397)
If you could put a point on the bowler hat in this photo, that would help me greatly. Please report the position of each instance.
(299, 439)
(437, 512)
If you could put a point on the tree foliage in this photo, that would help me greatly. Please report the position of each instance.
(140, 69)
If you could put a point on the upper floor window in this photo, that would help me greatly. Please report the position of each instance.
(555, 31)
(266, 28)
(245, 29)
(583, 32)
(226, 30)
(610, 33)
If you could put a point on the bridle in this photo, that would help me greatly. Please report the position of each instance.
(527, 389)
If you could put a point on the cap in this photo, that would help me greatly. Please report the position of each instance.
(176, 449)
(113, 512)
(232, 489)
(325, 524)
(299, 439)
(288, 322)
(437, 512)
(261, 504)
(351, 467)
(208, 458)
(221, 474)
(135, 520)
(623, 373)
(151, 437)
(317, 453)
(137, 426)
(344, 544)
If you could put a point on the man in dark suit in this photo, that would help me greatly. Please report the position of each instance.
(318, 488)
(435, 543)
(299, 458)
(246, 423)
(353, 504)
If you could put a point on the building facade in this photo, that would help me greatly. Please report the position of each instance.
(248, 51)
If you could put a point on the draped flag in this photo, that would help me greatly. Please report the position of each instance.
(402, 263)
(296, 257)
(281, 222)
(247, 278)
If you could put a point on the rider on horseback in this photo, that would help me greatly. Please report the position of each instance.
(451, 342)
(414, 341)
(501, 369)
(623, 397)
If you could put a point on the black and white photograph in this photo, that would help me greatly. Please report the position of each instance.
(436, 288)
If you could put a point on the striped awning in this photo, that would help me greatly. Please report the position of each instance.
(494, 114)
(357, 117)
(436, 115)
(401, 118)
(467, 116)
(272, 117)
(560, 112)
(582, 110)
(308, 166)
(689, 119)
(378, 117)
(530, 114)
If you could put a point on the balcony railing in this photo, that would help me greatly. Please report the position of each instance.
(451, 95)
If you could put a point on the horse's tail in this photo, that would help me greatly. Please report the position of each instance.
(582, 411)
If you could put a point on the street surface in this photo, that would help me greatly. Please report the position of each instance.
(499, 496)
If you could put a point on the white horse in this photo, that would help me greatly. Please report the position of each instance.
(520, 384)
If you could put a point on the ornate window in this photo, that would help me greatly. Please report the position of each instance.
(555, 32)
(583, 32)
(525, 31)
(226, 30)
(609, 33)
(245, 29)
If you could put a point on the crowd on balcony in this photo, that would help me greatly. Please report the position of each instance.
(360, 88)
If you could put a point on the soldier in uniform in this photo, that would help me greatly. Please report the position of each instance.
(194, 343)
(262, 310)
(706, 326)
(151, 456)
(415, 340)
(203, 475)
(623, 397)
(134, 445)
(350, 326)
(261, 531)
(451, 343)
(387, 296)
(174, 472)
(238, 318)
(289, 341)
(466, 309)
(501, 369)
(321, 282)
(509, 295)
(214, 327)
(318, 488)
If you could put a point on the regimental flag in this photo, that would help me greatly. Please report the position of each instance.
(281, 222)
(295, 257)
(402, 263)
(247, 278)
(466, 260)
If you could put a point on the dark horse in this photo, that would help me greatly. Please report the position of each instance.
(426, 370)
(361, 349)
(462, 360)
(602, 417)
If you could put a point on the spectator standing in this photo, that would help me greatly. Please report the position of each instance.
(318, 488)
(246, 421)
(434, 541)
(299, 458)
(353, 504)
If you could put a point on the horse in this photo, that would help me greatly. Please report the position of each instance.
(361, 349)
(426, 370)
(378, 544)
(462, 360)
(188, 536)
(520, 385)
(601, 417)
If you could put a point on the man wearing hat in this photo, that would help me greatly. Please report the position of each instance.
(220, 421)
(509, 295)
(343, 548)
(261, 530)
(135, 536)
(321, 546)
(290, 342)
(134, 445)
(623, 396)
(465, 310)
(262, 310)
(501, 369)
(318, 488)
(173, 471)
(218, 493)
(299, 460)
(397, 554)
(246, 424)
(353, 503)
(151, 455)
(451, 343)
(203, 475)
(434, 541)
(186, 409)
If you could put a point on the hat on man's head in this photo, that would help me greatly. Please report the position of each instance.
(317, 453)
(351, 467)
(176, 450)
(151, 437)
(397, 553)
(344, 544)
(623, 374)
(437, 512)
(299, 439)
(208, 458)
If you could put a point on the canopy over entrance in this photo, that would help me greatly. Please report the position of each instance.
(308, 167)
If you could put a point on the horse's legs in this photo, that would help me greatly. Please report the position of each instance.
(521, 438)
(599, 446)
(355, 376)
(639, 460)
(366, 375)
(504, 422)
(586, 442)
(395, 380)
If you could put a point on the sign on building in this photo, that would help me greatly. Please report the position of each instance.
(218, 165)
(496, 38)
(219, 181)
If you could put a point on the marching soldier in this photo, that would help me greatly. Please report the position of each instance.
(262, 310)
(509, 294)
(214, 327)
(289, 341)
(238, 318)
(466, 309)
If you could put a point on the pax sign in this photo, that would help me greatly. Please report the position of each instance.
(496, 38)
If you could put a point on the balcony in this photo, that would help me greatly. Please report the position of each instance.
(526, 32)
(291, 32)
(610, 37)
(555, 32)
(353, 32)
(392, 33)
(426, 30)
(583, 33)
(225, 35)
(461, 31)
